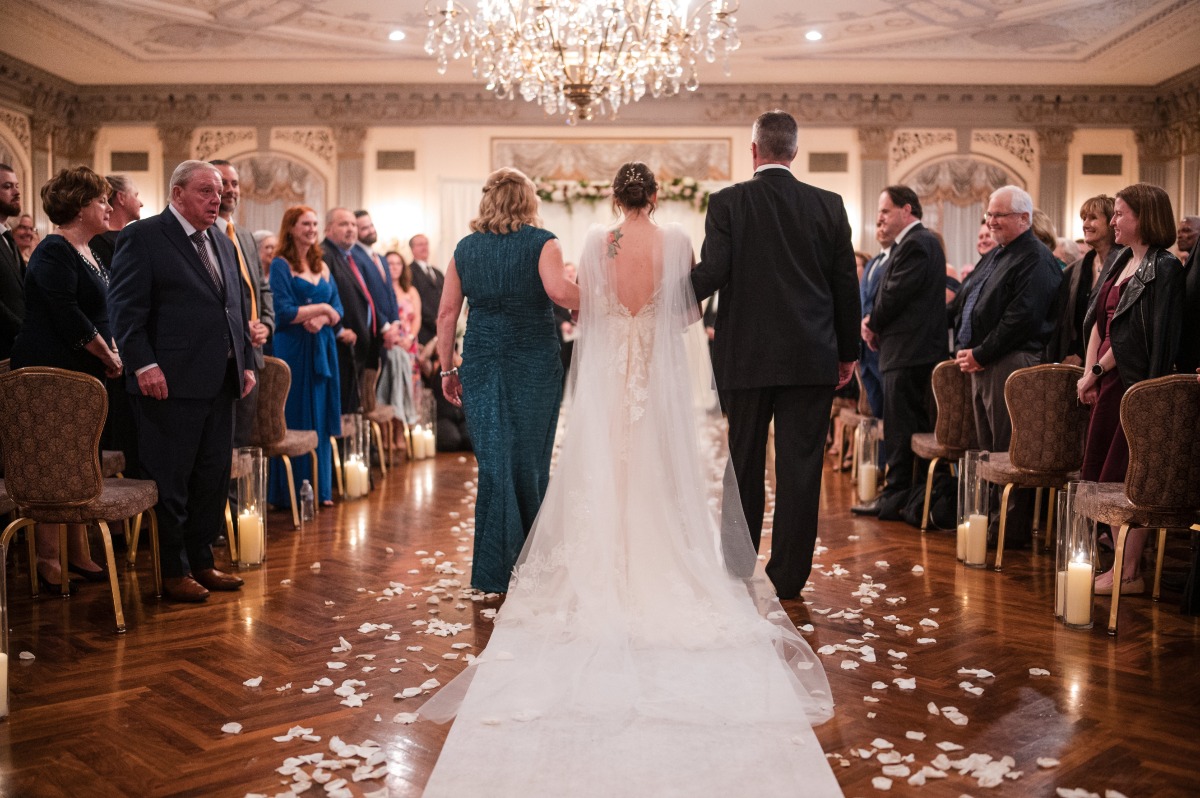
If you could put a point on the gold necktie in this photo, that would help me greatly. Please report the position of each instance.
(232, 233)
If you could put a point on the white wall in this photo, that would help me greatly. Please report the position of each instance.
(1080, 186)
(135, 139)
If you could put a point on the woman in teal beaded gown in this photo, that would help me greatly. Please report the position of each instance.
(510, 271)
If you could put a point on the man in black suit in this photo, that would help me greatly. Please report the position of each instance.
(786, 335)
(428, 281)
(181, 325)
(358, 333)
(12, 265)
(1005, 316)
(1188, 241)
(907, 327)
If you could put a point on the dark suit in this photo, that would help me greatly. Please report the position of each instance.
(379, 283)
(907, 316)
(364, 353)
(780, 253)
(430, 291)
(167, 311)
(1188, 359)
(868, 360)
(12, 293)
(264, 300)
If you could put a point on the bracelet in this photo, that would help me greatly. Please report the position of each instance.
(450, 373)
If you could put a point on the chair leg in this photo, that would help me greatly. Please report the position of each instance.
(1158, 561)
(854, 456)
(928, 493)
(154, 552)
(131, 552)
(1003, 523)
(230, 535)
(1119, 555)
(1037, 508)
(63, 564)
(10, 532)
(339, 471)
(118, 610)
(380, 445)
(31, 544)
(1051, 506)
(316, 483)
(287, 467)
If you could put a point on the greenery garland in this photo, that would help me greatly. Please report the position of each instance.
(568, 192)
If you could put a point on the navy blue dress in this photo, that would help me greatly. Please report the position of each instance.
(512, 387)
(314, 400)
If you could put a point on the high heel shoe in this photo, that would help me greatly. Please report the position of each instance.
(88, 576)
(48, 586)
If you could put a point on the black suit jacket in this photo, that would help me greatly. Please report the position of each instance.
(166, 310)
(910, 302)
(430, 291)
(364, 353)
(12, 292)
(1188, 359)
(779, 251)
(262, 286)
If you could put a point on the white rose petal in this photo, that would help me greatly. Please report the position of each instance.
(1047, 762)
(881, 783)
(1038, 672)
(255, 682)
(915, 735)
(232, 728)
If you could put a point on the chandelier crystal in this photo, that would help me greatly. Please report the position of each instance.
(582, 57)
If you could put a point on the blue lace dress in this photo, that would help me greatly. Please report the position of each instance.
(512, 387)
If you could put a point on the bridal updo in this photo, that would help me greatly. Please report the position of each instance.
(634, 186)
(509, 202)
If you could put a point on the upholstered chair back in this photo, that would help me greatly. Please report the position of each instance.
(1049, 422)
(955, 428)
(1161, 419)
(274, 381)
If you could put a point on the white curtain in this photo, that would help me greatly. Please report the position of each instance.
(270, 185)
(960, 228)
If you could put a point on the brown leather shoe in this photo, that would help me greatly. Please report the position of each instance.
(184, 588)
(213, 579)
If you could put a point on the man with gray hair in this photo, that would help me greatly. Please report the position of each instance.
(181, 322)
(1004, 316)
(787, 334)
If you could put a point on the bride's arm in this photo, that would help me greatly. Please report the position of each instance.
(561, 290)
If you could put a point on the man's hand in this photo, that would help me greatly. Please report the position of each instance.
(258, 333)
(347, 336)
(845, 373)
(868, 335)
(965, 358)
(249, 380)
(391, 337)
(153, 383)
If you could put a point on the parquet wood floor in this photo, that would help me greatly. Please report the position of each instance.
(141, 714)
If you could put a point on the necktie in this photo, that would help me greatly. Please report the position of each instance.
(379, 267)
(202, 250)
(983, 271)
(232, 233)
(363, 285)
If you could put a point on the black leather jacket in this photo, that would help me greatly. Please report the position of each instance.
(1146, 325)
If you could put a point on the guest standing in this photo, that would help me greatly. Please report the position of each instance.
(180, 322)
(66, 325)
(511, 272)
(126, 207)
(1135, 325)
(1068, 344)
(12, 264)
(266, 242)
(308, 310)
(25, 235)
(399, 389)
(787, 335)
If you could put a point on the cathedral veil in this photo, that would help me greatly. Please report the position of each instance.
(634, 648)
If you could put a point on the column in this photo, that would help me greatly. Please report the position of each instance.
(1054, 143)
(75, 145)
(1158, 159)
(1189, 202)
(177, 147)
(350, 166)
(41, 128)
(873, 145)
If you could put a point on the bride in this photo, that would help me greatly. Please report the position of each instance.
(635, 654)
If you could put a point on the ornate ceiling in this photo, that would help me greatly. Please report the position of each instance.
(981, 42)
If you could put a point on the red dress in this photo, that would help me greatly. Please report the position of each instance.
(1106, 453)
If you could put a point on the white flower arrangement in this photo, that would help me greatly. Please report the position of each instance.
(568, 192)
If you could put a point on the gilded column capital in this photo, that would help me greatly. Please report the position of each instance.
(874, 142)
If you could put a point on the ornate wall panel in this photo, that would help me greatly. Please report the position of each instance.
(1015, 150)
(911, 147)
(598, 159)
(223, 143)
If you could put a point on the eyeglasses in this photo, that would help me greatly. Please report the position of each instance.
(989, 215)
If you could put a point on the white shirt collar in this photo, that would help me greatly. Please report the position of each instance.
(767, 166)
(904, 232)
(188, 228)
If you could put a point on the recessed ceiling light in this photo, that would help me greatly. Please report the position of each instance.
(814, 36)
(396, 36)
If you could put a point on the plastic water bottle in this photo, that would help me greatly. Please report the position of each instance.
(307, 506)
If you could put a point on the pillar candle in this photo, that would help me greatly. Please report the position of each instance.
(430, 443)
(364, 478)
(976, 553)
(4, 685)
(1077, 607)
(250, 538)
(962, 541)
(418, 443)
(1060, 593)
(868, 481)
(354, 485)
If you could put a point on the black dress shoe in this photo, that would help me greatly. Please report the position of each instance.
(869, 508)
(88, 576)
(213, 579)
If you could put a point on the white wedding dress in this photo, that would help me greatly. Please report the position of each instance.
(629, 659)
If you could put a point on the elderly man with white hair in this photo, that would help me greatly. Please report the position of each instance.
(1005, 316)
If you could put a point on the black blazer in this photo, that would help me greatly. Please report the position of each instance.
(1015, 308)
(166, 310)
(779, 251)
(12, 294)
(1188, 359)
(430, 291)
(356, 309)
(910, 301)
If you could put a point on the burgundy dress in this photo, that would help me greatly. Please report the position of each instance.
(1106, 453)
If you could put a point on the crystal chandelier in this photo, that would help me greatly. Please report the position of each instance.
(580, 57)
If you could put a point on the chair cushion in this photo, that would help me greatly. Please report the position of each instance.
(6, 504)
(924, 444)
(111, 462)
(381, 414)
(119, 499)
(999, 470)
(295, 443)
(1107, 503)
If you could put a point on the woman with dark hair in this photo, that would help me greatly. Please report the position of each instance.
(307, 311)
(511, 273)
(1135, 324)
(66, 324)
(1077, 291)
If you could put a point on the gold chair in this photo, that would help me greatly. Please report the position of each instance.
(379, 417)
(845, 426)
(50, 424)
(954, 432)
(1161, 419)
(271, 433)
(1048, 429)
(237, 468)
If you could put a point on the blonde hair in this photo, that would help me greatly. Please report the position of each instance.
(510, 202)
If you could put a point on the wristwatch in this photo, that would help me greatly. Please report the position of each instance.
(1098, 370)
